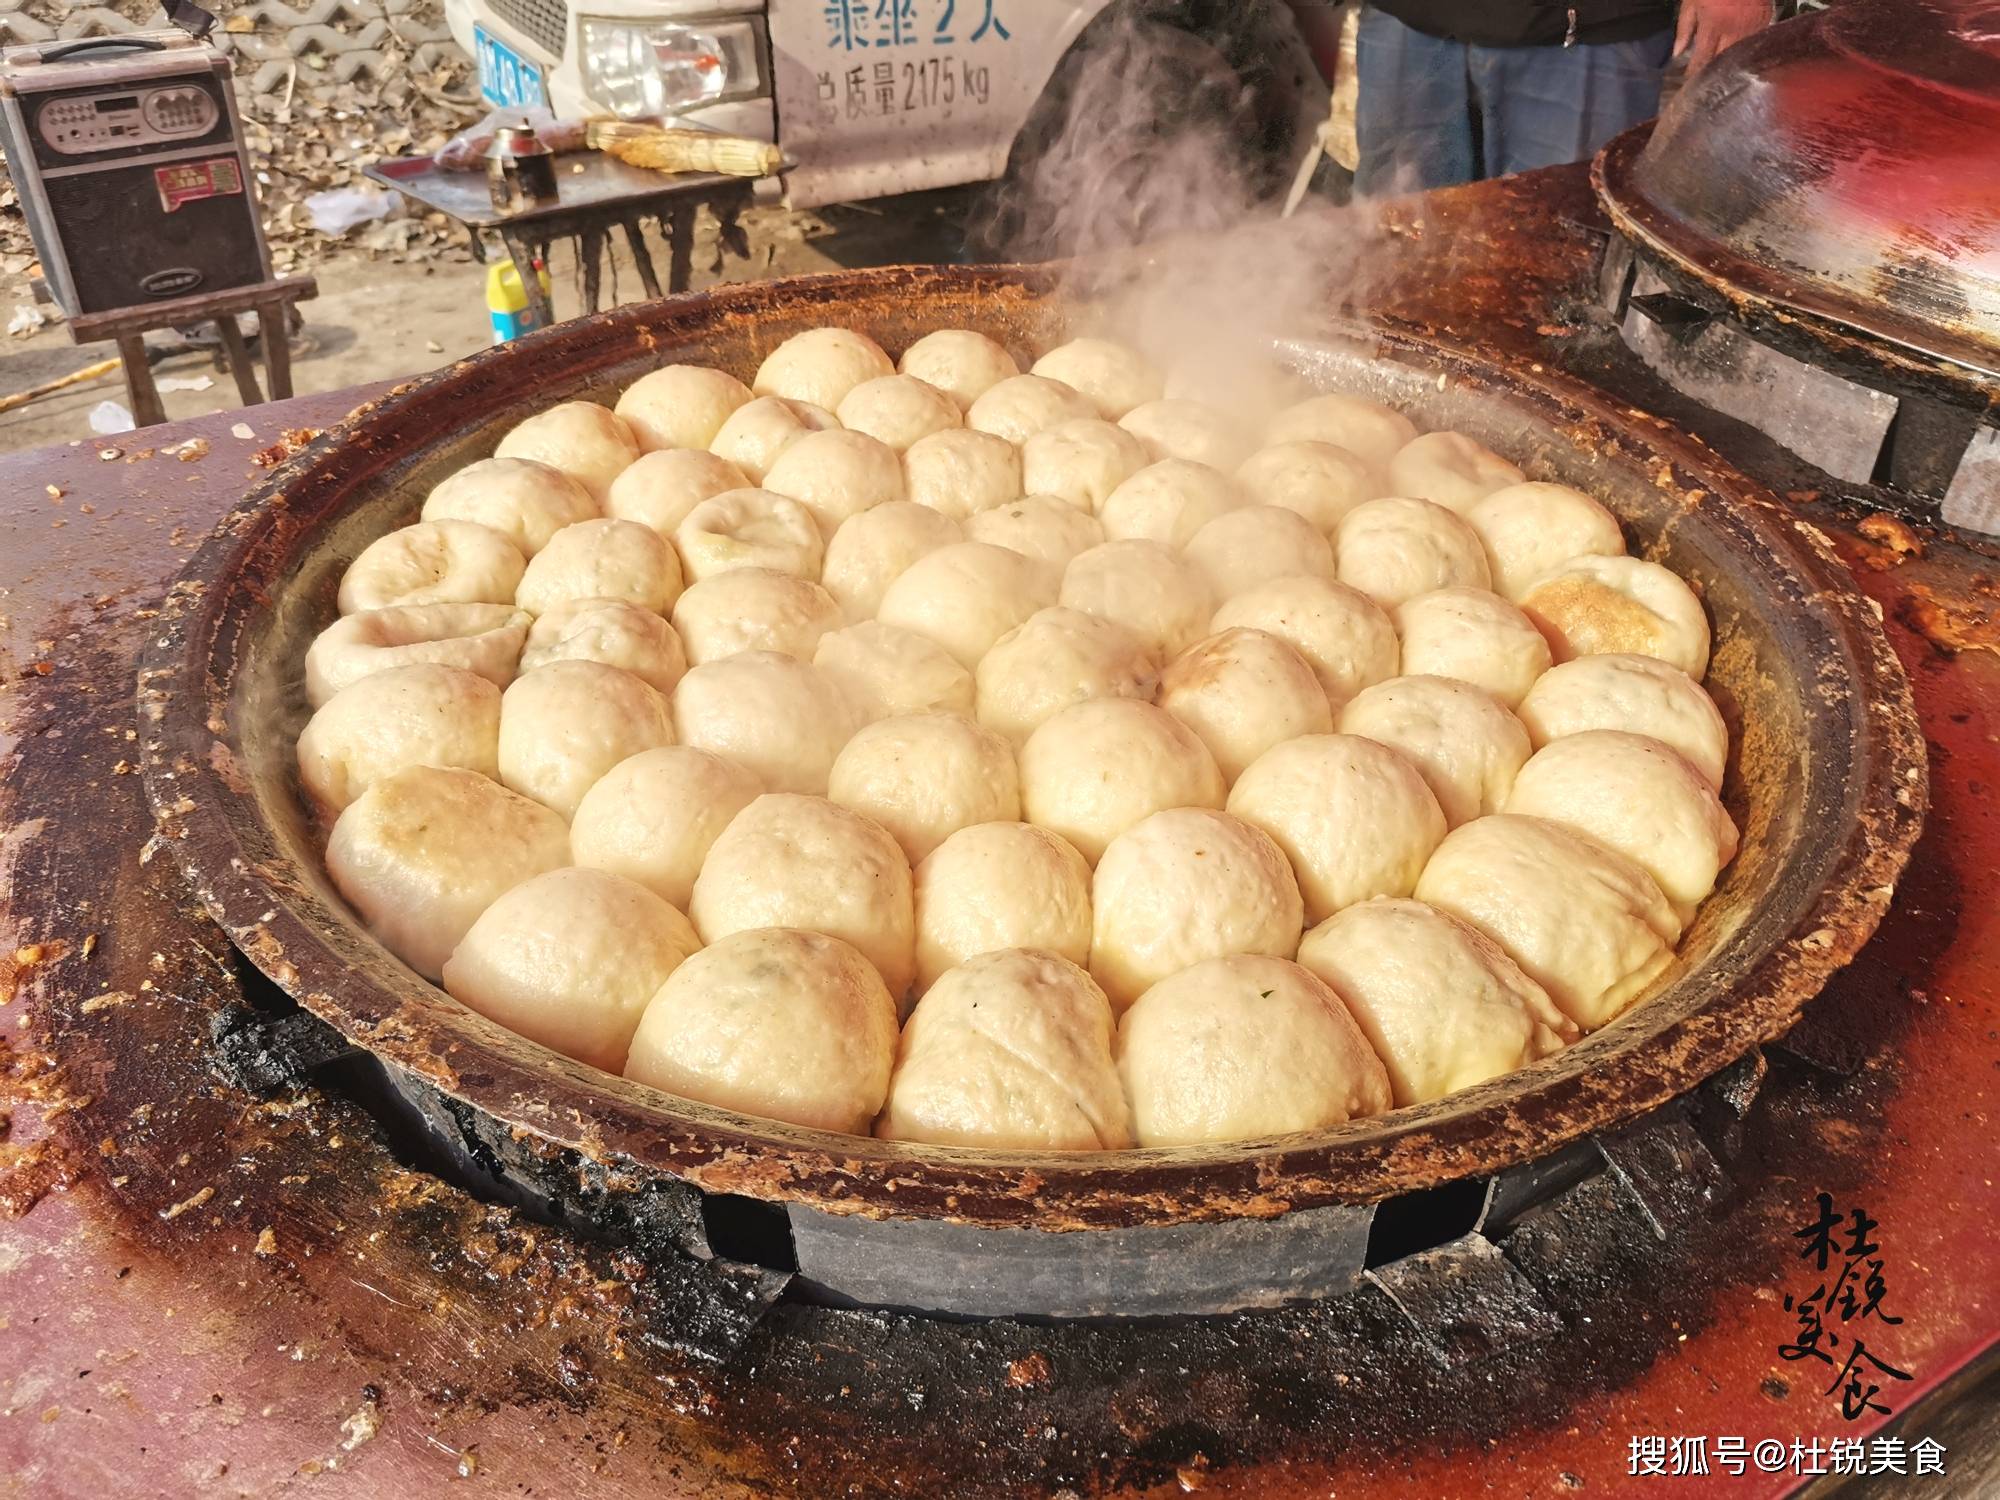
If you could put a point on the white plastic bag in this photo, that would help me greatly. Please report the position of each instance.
(338, 210)
(108, 417)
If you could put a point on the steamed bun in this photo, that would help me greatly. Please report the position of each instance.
(1441, 1005)
(960, 473)
(1343, 634)
(749, 528)
(757, 433)
(1531, 529)
(778, 718)
(421, 715)
(885, 672)
(925, 776)
(1054, 658)
(1152, 591)
(652, 817)
(680, 406)
(836, 475)
(1369, 430)
(588, 442)
(1639, 694)
(1000, 885)
(1182, 886)
(1191, 430)
(870, 551)
(821, 366)
(1022, 405)
(1243, 691)
(897, 410)
(610, 631)
(661, 487)
(1472, 636)
(1093, 770)
(1623, 604)
(1637, 796)
(1112, 376)
(602, 559)
(1463, 743)
(754, 609)
(1241, 1048)
(793, 861)
(1049, 530)
(1583, 921)
(1254, 544)
(433, 562)
(1010, 1051)
(1449, 469)
(1354, 817)
(570, 959)
(482, 638)
(1081, 462)
(424, 851)
(966, 596)
(564, 725)
(1395, 549)
(1167, 502)
(1319, 481)
(961, 363)
(781, 1024)
(525, 501)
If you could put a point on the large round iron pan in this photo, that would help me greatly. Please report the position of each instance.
(1827, 779)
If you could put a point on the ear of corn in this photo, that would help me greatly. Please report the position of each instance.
(664, 149)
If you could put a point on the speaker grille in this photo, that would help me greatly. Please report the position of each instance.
(213, 240)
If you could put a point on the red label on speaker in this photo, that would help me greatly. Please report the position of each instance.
(184, 182)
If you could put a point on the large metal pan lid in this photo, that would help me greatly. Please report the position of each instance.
(1840, 167)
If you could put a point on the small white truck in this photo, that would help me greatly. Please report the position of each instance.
(871, 97)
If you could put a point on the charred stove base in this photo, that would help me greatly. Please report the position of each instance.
(1440, 1256)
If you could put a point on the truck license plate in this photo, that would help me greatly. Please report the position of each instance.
(506, 78)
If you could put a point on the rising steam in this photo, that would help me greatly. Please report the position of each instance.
(1148, 180)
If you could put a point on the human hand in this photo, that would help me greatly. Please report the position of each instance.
(1707, 26)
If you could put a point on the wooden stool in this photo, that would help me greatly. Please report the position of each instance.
(272, 302)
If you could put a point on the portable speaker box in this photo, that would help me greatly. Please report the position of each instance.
(127, 155)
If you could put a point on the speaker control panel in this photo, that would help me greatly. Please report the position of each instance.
(81, 123)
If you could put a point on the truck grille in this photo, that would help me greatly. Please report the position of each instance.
(546, 22)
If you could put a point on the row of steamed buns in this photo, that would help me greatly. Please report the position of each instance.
(985, 638)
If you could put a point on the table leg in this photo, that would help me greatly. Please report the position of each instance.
(590, 248)
(679, 225)
(139, 387)
(239, 358)
(275, 319)
(636, 238)
(523, 256)
(728, 230)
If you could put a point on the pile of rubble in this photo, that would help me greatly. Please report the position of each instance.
(324, 88)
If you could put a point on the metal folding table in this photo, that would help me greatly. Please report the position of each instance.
(598, 193)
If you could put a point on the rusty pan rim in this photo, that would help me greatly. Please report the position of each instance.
(207, 817)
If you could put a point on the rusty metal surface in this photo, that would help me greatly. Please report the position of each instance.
(587, 182)
(1840, 167)
(1828, 780)
(208, 1293)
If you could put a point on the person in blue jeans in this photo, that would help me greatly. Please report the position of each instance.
(1455, 90)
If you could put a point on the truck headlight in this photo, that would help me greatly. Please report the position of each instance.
(638, 68)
